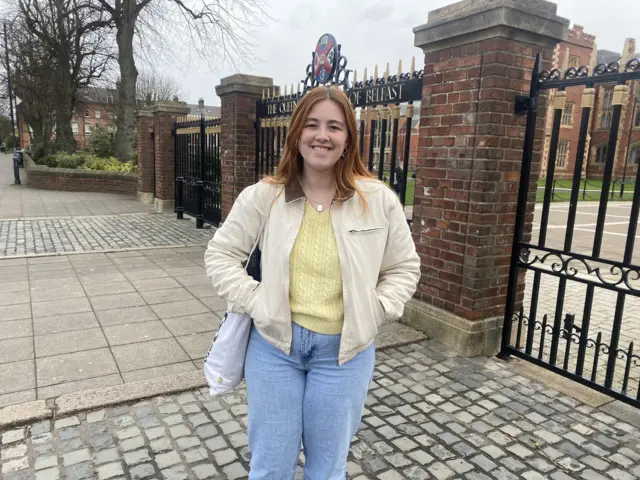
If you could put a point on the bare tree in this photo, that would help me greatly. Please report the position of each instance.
(32, 70)
(75, 37)
(153, 87)
(218, 30)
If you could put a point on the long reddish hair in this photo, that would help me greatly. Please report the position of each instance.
(349, 168)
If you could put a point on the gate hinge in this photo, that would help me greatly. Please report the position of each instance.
(523, 104)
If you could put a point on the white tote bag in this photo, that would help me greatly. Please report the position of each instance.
(224, 364)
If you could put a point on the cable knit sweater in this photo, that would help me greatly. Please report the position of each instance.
(315, 291)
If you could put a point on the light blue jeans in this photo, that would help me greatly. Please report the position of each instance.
(305, 397)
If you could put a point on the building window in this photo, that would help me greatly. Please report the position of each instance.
(634, 155)
(575, 61)
(567, 114)
(563, 151)
(601, 154)
(96, 113)
(607, 108)
(87, 129)
(87, 113)
(74, 128)
(636, 122)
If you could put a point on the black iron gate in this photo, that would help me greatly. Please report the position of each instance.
(388, 119)
(568, 290)
(198, 168)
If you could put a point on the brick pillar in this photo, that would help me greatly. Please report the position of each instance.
(478, 57)
(146, 159)
(238, 95)
(165, 114)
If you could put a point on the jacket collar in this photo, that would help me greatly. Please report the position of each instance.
(293, 191)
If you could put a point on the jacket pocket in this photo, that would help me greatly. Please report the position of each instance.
(253, 304)
(378, 309)
(369, 230)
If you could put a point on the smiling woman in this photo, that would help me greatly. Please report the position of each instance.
(338, 260)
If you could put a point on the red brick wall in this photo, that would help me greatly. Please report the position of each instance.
(237, 144)
(402, 126)
(626, 135)
(469, 161)
(164, 158)
(146, 150)
(578, 45)
(74, 181)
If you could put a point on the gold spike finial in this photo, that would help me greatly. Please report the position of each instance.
(387, 73)
(365, 74)
(399, 68)
(285, 90)
(263, 94)
(375, 73)
(292, 89)
(413, 65)
(298, 88)
(355, 76)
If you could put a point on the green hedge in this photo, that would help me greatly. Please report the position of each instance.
(85, 161)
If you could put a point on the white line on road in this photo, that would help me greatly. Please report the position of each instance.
(537, 225)
(594, 214)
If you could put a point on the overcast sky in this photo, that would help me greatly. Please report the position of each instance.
(372, 31)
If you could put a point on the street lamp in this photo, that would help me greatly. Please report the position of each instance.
(16, 152)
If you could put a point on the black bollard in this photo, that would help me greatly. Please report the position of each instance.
(179, 198)
(200, 204)
(16, 167)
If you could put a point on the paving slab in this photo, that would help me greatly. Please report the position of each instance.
(16, 329)
(70, 367)
(64, 323)
(197, 344)
(148, 354)
(136, 332)
(69, 342)
(17, 376)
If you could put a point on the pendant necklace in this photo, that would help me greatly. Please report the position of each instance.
(319, 207)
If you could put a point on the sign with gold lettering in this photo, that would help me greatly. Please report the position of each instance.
(365, 96)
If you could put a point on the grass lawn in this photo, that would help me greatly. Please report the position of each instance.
(590, 190)
(411, 187)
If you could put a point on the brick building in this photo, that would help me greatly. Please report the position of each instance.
(97, 106)
(402, 132)
(578, 50)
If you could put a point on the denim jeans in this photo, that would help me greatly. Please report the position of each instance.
(303, 397)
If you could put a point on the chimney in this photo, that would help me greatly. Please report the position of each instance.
(201, 103)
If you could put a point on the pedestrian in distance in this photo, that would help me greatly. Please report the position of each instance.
(337, 262)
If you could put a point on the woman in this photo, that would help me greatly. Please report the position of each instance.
(338, 260)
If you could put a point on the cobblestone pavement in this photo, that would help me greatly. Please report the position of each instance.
(429, 415)
(86, 234)
(24, 202)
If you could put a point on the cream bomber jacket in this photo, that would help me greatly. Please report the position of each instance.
(378, 260)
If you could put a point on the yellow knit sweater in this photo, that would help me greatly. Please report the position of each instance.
(315, 291)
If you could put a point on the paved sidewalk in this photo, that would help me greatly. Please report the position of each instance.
(77, 322)
(429, 415)
(24, 202)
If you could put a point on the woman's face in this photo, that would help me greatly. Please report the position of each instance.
(324, 136)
